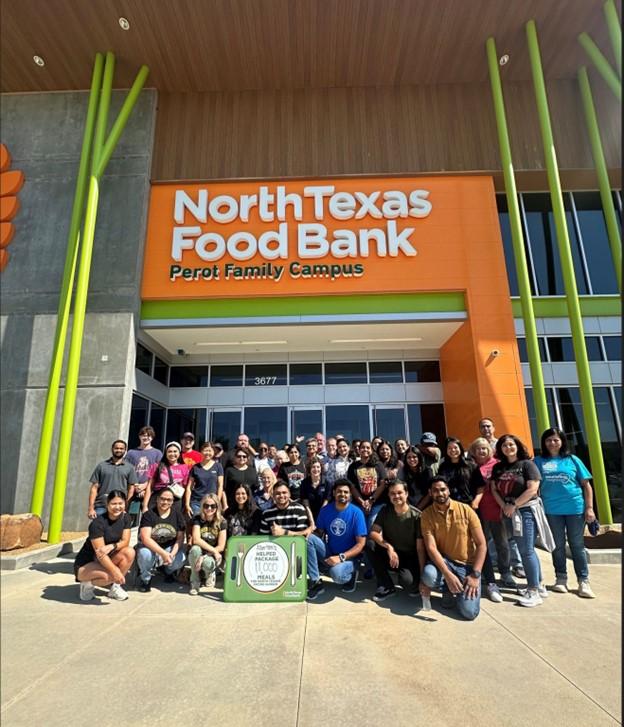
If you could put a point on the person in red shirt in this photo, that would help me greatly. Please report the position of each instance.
(190, 456)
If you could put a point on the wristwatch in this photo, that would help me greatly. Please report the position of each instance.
(342, 557)
(476, 574)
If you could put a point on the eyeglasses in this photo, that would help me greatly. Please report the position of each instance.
(209, 507)
(165, 500)
(263, 449)
(241, 456)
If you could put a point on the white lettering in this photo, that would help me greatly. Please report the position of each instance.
(399, 242)
(199, 210)
(249, 249)
(247, 202)
(223, 200)
(280, 237)
(285, 199)
(368, 205)
(342, 205)
(421, 206)
(373, 234)
(265, 200)
(180, 242)
(312, 240)
(344, 244)
(395, 205)
(318, 193)
(210, 238)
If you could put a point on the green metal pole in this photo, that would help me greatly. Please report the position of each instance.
(602, 65)
(80, 304)
(608, 207)
(567, 269)
(62, 318)
(517, 239)
(615, 32)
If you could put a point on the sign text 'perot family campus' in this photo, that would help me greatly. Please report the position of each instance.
(297, 238)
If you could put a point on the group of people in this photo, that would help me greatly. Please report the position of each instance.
(438, 518)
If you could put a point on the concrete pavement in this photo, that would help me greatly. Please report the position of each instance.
(166, 657)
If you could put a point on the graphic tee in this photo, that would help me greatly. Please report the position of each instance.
(366, 477)
(102, 527)
(293, 474)
(342, 527)
(164, 529)
(191, 457)
(205, 480)
(209, 531)
(142, 460)
(561, 490)
(512, 479)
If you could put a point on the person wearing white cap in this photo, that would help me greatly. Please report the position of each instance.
(171, 472)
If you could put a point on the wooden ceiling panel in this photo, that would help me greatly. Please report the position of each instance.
(214, 45)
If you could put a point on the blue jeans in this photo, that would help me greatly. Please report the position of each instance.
(317, 552)
(147, 559)
(468, 607)
(526, 546)
(100, 510)
(574, 526)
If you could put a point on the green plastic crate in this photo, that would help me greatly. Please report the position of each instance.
(262, 568)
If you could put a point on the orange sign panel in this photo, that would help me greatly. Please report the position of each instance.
(307, 237)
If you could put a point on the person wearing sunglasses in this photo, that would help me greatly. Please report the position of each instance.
(209, 536)
(242, 472)
(262, 458)
(161, 540)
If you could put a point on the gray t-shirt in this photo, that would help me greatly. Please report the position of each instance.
(109, 477)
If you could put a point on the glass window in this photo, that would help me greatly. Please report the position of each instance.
(389, 423)
(306, 374)
(268, 374)
(225, 427)
(143, 359)
(596, 242)
(510, 260)
(613, 347)
(267, 424)
(385, 372)
(351, 421)
(306, 423)
(161, 372)
(138, 419)
(157, 422)
(552, 416)
(188, 376)
(561, 349)
(186, 420)
(345, 373)
(426, 418)
(422, 371)
(543, 239)
(524, 354)
(226, 376)
(572, 420)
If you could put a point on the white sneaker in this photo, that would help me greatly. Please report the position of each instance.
(561, 585)
(531, 598)
(584, 590)
(194, 591)
(117, 593)
(87, 591)
(493, 593)
(543, 591)
(211, 579)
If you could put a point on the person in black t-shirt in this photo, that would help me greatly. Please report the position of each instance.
(457, 471)
(106, 555)
(242, 473)
(161, 536)
(243, 516)
(293, 472)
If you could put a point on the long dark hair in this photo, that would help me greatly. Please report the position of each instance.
(392, 462)
(165, 465)
(463, 462)
(523, 452)
(417, 453)
(248, 508)
(565, 449)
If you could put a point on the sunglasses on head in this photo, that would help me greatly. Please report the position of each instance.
(209, 507)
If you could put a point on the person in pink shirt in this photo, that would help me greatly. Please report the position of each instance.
(170, 472)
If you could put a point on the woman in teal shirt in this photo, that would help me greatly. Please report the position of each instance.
(568, 498)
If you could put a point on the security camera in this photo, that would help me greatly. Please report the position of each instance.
(181, 352)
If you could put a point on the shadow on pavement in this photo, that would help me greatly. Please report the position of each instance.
(69, 594)
(51, 568)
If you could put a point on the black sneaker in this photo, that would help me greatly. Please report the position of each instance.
(315, 589)
(382, 593)
(351, 584)
(145, 586)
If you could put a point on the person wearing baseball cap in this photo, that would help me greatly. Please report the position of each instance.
(430, 451)
(189, 455)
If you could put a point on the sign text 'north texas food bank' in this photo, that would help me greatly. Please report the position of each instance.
(297, 237)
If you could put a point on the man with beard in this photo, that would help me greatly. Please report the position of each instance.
(456, 548)
(112, 474)
(339, 539)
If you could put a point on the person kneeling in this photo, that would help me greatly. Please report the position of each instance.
(344, 526)
(209, 536)
(398, 545)
(106, 555)
(161, 537)
(456, 547)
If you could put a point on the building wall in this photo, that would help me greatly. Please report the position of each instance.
(43, 132)
(376, 130)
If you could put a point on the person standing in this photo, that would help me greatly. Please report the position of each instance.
(487, 431)
(190, 456)
(142, 458)
(456, 549)
(170, 473)
(315, 492)
(568, 499)
(457, 471)
(205, 478)
(397, 544)
(416, 477)
(337, 467)
(336, 545)
(112, 475)
(242, 442)
(430, 451)
(368, 485)
(241, 473)
(294, 471)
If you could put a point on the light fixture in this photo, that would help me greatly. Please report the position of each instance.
(39, 61)
(241, 343)
(373, 340)
(124, 24)
(503, 60)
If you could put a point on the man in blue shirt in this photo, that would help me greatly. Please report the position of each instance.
(339, 539)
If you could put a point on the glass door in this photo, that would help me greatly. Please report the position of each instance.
(225, 426)
(389, 423)
(305, 422)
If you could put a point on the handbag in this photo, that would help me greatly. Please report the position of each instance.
(176, 489)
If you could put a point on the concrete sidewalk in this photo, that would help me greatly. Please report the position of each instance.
(165, 657)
